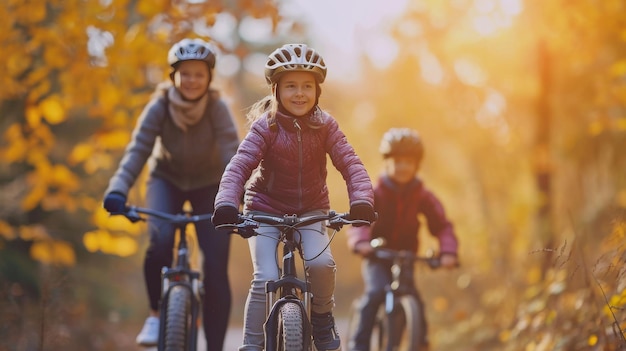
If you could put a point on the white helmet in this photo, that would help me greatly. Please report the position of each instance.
(294, 57)
(191, 49)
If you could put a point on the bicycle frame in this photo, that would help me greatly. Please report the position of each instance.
(403, 281)
(289, 287)
(179, 274)
(402, 284)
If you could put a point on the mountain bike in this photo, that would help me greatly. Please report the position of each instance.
(398, 326)
(288, 299)
(182, 287)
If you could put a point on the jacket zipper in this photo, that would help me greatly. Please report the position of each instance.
(299, 134)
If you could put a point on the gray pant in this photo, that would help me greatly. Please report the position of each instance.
(376, 276)
(321, 270)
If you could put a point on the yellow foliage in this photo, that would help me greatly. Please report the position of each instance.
(17, 146)
(592, 340)
(533, 275)
(53, 252)
(38, 90)
(37, 75)
(151, 8)
(109, 97)
(56, 56)
(52, 109)
(114, 140)
(33, 116)
(80, 153)
(7, 231)
(34, 197)
(33, 233)
(17, 63)
(621, 123)
(102, 219)
(98, 161)
(104, 241)
(31, 12)
(62, 177)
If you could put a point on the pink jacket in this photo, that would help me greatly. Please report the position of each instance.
(398, 218)
(288, 158)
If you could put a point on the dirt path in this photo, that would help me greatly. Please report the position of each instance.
(234, 335)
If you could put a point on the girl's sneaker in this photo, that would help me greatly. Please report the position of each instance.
(325, 335)
(149, 335)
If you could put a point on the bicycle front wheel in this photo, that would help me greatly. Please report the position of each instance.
(290, 328)
(403, 328)
(177, 319)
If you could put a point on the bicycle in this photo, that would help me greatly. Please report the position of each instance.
(398, 326)
(288, 299)
(182, 290)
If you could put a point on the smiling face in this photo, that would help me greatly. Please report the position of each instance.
(296, 91)
(401, 169)
(192, 79)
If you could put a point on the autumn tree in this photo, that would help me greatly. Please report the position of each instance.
(77, 74)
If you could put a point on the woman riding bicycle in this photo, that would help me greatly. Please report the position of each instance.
(188, 134)
(400, 196)
(286, 148)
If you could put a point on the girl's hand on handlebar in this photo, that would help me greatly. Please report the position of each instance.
(364, 248)
(225, 215)
(362, 212)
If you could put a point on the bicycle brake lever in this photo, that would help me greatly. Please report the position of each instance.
(132, 215)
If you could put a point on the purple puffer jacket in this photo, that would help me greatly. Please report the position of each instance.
(291, 158)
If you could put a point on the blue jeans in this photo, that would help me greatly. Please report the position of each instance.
(376, 276)
(164, 196)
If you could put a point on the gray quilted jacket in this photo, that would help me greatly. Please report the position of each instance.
(189, 160)
(289, 162)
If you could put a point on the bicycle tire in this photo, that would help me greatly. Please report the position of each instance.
(177, 318)
(377, 336)
(290, 328)
(403, 329)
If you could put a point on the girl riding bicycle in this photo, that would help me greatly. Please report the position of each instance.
(188, 134)
(288, 142)
(400, 197)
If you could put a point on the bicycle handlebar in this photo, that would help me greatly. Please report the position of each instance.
(391, 255)
(249, 222)
(133, 215)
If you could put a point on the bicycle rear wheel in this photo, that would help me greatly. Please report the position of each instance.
(290, 328)
(403, 329)
(177, 319)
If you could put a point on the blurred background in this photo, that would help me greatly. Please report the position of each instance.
(521, 105)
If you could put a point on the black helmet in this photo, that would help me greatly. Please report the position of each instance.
(192, 49)
(402, 141)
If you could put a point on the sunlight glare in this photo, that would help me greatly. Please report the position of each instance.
(469, 73)
(228, 65)
(344, 30)
(223, 29)
(492, 15)
(430, 67)
(382, 50)
(255, 29)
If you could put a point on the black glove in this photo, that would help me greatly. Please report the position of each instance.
(115, 202)
(363, 212)
(225, 215)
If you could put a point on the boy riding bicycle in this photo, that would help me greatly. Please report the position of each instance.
(400, 197)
